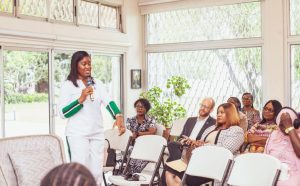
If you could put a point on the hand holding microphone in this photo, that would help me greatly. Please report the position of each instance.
(88, 91)
(90, 83)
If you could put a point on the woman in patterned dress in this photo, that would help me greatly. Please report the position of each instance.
(140, 125)
(252, 114)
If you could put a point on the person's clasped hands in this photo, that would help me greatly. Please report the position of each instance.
(189, 142)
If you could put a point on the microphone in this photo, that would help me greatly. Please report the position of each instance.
(91, 83)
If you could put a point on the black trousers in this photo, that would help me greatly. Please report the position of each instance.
(175, 152)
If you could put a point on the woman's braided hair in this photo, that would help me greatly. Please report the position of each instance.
(69, 174)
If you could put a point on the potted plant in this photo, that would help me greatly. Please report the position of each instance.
(165, 106)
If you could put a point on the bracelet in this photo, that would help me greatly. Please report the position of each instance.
(288, 130)
(117, 115)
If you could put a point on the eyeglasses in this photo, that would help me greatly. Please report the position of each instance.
(266, 109)
(246, 99)
(204, 106)
(139, 107)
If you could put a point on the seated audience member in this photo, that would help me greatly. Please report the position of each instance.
(284, 144)
(243, 117)
(69, 174)
(248, 109)
(226, 133)
(193, 128)
(259, 132)
(140, 125)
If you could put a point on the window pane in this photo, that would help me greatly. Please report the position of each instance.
(26, 93)
(6, 6)
(88, 13)
(61, 10)
(295, 76)
(295, 16)
(108, 16)
(220, 74)
(36, 8)
(202, 24)
(107, 69)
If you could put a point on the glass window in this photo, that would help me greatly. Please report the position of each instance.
(26, 88)
(37, 8)
(6, 6)
(108, 16)
(107, 69)
(295, 17)
(61, 10)
(295, 76)
(88, 13)
(219, 73)
(203, 24)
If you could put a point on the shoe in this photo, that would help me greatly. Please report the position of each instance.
(127, 176)
(134, 177)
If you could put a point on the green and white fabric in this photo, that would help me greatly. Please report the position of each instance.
(113, 109)
(71, 109)
(84, 119)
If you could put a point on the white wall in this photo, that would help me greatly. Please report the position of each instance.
(274, 77)
(134, 57)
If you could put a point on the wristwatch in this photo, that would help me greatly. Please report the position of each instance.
(288, 130)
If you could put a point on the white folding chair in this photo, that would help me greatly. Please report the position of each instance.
(254, 169)
(210, 162)
(177, 127)
(119, 143)
(149, 148)
(159, 129)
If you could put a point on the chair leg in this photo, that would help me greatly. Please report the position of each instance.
(126, 152)
(104, 179)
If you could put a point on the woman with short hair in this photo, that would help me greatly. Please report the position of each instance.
(141, 124)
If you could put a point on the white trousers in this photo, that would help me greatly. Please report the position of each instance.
(89, 152)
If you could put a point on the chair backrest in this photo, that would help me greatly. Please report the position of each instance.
(148, 148)
(254, 169)
(177, 127)
(50, 144)
(116, 141)
(210, 162)
(160, 129)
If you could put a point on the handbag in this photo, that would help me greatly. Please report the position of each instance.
(187, 153)
(109, 156)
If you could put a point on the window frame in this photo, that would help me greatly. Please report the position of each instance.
(16, 13)
(10, 14)
(291, 40)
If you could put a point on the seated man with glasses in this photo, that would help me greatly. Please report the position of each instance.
(259, 132)
(193, 129)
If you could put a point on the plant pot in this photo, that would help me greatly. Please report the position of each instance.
(166, 133)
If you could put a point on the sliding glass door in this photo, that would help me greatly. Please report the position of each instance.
(26, 90)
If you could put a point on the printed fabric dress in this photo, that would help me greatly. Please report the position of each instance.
(136, 166)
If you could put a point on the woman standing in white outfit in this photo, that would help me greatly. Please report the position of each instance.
(80, 100)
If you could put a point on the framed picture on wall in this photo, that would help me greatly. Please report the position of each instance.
(136, 79)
